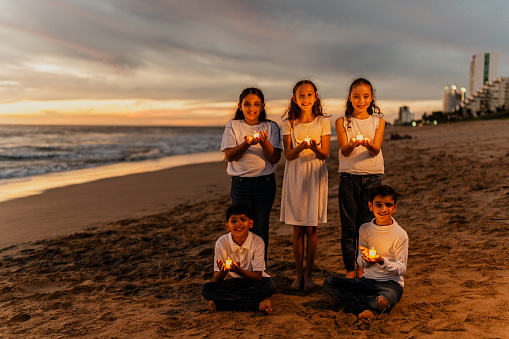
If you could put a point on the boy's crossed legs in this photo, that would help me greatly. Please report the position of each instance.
(363, 297)
(240, 294)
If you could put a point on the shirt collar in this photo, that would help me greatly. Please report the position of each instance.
(246, 245)
(383, 228)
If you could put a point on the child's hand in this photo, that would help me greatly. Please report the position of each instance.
(365, 142)
(313, 145)
(252, 140)
(354, 143)
(222, 266)
(235, 267)
(264, 135)
(365, 256)
(302, 144)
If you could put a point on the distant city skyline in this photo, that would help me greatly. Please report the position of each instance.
(173, 62)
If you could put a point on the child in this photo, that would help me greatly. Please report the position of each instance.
(361, 165)
(252, 146)
(306, 140)
(242, 285)
(381, 287)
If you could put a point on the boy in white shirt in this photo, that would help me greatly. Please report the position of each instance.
(239, 282)
(381, 286)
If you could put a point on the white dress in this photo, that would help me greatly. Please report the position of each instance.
(305, 182)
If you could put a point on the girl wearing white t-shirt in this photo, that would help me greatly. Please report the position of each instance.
(252, 146)
(361, 165)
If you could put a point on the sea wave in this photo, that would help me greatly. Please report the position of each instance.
(33, 150)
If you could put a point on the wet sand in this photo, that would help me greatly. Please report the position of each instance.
(138, 270)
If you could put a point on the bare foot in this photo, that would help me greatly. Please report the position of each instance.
(266, 306)
(309, 285)
(383, 303)
(350, 274)
(297, 284)
(359, 272)
(365, 316)
(212, 306)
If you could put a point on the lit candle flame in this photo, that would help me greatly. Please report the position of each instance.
(372, 253)
(228, 263)
(360, 136)
(256, 135)
(307, 139)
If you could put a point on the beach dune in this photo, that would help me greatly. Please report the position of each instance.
(137, 272)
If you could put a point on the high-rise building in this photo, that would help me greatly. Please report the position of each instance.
(453, 96)
(405, 116)
(483, 68)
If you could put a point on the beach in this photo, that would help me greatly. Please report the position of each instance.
(132, 252)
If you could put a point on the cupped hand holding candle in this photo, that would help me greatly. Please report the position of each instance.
(360, 140)
(308, 141)
(262, 135)
(370, 254)
(258, 136)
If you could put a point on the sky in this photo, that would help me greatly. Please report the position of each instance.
(164, 62)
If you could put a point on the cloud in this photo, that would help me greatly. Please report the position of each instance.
(210, 50)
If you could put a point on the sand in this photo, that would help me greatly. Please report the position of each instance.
(140, 276)
(63, 211)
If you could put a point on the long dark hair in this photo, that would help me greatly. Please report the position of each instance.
(373, 107)
(239, 115)
(293, 109)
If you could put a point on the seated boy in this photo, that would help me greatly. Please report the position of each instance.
(381, 287)
(242, 285)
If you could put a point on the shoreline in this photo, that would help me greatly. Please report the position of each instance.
(28, 186)
(65, 210)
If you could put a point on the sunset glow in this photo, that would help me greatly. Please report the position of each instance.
(174, 63)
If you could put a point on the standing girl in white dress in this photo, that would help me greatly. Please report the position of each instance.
(361, 165)
(252, 145)
(306, 141)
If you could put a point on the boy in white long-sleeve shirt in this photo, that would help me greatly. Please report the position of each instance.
(381, 286)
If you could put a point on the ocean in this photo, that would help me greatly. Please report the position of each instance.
(35, 158)
(26, 151)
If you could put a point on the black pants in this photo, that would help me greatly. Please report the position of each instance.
(239, 294)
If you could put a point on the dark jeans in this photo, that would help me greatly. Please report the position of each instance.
(353, 197)
(239, 294)
(358, 295)
(258, 193)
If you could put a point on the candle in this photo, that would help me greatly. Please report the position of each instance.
(360, 136)
(307, 139)
(372, 253)
(256, 135)
(228, 262)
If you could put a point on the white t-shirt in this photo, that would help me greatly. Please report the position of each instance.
(251, 254)
(360, 161)
(253, 163)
